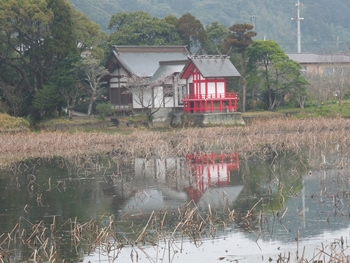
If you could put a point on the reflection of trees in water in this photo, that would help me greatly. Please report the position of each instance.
(275, 181)
(298, 196)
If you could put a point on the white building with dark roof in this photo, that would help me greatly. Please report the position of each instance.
(150, 68)
(320, 64)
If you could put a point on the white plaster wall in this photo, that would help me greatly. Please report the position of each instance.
(221, 88)
(119, 72)
(115, 80)
(169, 102)
(137, 96)
(159, 101)
(158, 97)
(202, 88)
(211, 88)
(147, 98)
(114, 83)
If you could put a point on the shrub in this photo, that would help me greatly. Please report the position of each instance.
(104, 109)
(9, 122)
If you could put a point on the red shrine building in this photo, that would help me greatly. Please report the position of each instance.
(206, 85)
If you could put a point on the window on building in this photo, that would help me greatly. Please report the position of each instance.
(181, 93)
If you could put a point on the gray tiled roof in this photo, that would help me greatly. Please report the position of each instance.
(215, 66)
(143, 61)
(308, 58)
(168, 68)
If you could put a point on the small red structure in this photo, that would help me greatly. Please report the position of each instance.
(206, 85)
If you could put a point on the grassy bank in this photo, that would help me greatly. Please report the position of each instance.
(329, 110)
(9, 123)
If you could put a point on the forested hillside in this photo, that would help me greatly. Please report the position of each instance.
(325, 28)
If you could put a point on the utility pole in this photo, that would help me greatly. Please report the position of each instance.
(298, 19)
(253, 18)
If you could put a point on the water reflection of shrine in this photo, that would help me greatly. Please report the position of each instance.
(211, 170)
(171, 182)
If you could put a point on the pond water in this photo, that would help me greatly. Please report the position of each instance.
(207, 207)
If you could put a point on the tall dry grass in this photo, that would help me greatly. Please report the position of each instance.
(40, 242)
(259, 137)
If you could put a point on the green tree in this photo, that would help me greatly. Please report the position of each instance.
(88, 35)
(40, 35)
(253, 84)
(69, 90)
(216, 34)
(170, 19)
(239, 39)
(61, 40)
(36, 36)
(139, 28)
(279, 74)
(192, 32)
(46, 99)
(25, 25)
(62, 91)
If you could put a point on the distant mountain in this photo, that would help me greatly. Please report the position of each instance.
(324, 29)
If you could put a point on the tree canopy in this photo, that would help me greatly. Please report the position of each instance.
(279, 74)
(191, 31)
(36, 38)
(239, 39)
(139, 28)
(216, 34)
(322, 31)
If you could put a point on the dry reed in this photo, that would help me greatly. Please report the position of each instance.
(187, 223)
(259, 138)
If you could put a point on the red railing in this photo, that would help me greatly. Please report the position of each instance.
(210, 96)
(210, 102)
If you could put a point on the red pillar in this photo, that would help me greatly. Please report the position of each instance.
(230, 105)
(235, 103)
